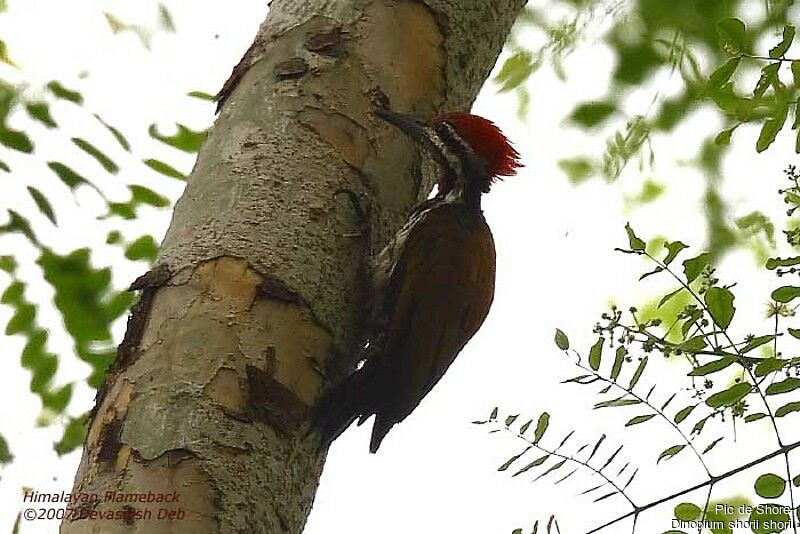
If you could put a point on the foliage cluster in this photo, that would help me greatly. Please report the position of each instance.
(31, 132)
(733, 378)
(703, 48)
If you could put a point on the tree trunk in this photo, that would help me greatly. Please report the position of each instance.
(256, 296)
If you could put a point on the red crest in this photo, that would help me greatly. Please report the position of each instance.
(488, 141)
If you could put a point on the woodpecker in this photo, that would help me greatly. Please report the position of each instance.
(433, 283)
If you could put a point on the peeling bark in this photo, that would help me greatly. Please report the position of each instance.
(256, 297)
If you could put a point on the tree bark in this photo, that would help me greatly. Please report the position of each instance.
(256, 297)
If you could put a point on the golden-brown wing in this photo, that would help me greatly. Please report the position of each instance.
(438, 295)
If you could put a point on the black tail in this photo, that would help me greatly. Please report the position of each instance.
(342, 404)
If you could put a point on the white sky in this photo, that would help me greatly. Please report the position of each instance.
(435, 472)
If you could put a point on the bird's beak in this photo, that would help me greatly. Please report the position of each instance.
(406, 124)
(418, 132)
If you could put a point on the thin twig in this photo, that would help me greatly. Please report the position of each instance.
(785, 449)
(659, 412)
(586, 465)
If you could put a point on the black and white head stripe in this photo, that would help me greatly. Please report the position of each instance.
(460, 156)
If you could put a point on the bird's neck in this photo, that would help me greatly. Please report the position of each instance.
(464, 191)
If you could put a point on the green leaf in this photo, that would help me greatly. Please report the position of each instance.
(19, 224)
(185, 139)
(13, 293)
(552, 468)
(524, 428)
(43, 204)
(73, 436)
(731, 35)
(720, 305)
(687, 511)
(591, 114)
(5, 453)
(785, 294)
(578, 170)
(511, 460)
(770, 486)
(596, 353)
(666, 298)
(780, 49)
(722, 75)
(638, 373)
(201, 95)
(774, 263)
(724, 137)
(769, 131)
(639, 419)
(59, 91)
(796, 72)
(40, 111)
(165, 169)
(794, 332)
(82, 295)
(515, 70)
(510, 419)
(561, 339)
(123, 142)
(730, 396)
(757, 342)
(16, 140)
(673, 249)
(699, 425)
(670, 452)
(769, 76)
(754, 417)
(619, 359)
(633, 241)
(769, 365)
(694, 266)
(22, 320)
(144, 248)
(684, 413)
(165, 19)
(784, 386)
(98, 155)
(70, 178)
(58, 399)
(144, 195)
(125, 210)
(537, 462)
(4, 56)
(621, 401)
(788, 408)
(8, 264)
(712, 445)
(596, 447)
(541, 427)
(650, 192)
(768, 519)
(694, 344)
(712, 367)
(114, 237)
